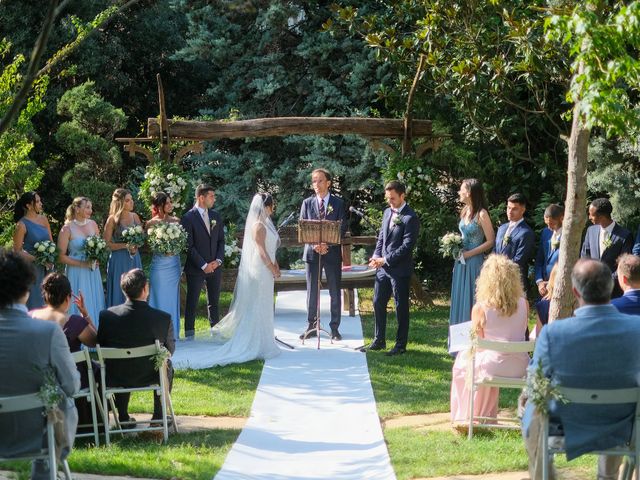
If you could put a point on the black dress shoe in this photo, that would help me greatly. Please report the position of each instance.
(374, 346)
(309, 333)
(396, 351)
(335, 335)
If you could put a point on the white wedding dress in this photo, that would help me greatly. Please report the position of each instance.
(246, 332)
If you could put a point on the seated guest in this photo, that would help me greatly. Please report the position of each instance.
(58, 298)
(629, 281)
(28, 349)
(549, 248)
(500, 313)
(134, 324)
(596, 348)
(79, 329)
(605, 240)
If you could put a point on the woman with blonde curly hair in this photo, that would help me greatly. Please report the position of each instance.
(500, 313)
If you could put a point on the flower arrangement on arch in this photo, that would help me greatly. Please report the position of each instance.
(167, 178)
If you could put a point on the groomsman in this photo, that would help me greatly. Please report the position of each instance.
(515, 239)
(549, 248)
(393, 259)
(205, 252)
(323, 206)
(605, 239)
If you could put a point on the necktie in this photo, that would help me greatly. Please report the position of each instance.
(604, 236)
(321, 209)
(205, 217)
(510, 228)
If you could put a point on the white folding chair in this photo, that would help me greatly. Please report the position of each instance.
(89, 394)
(161, 388)
(496, 381)
(20, 403)
(619, 396)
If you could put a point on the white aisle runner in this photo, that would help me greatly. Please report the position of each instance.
(314, 415)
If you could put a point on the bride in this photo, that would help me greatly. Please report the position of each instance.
(246, 332)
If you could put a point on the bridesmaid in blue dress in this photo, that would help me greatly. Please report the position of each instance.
(31, 227)
(477, 238)
(82, 277)
(165, 269)
(123, 258)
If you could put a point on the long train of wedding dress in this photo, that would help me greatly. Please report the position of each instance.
(246, 332)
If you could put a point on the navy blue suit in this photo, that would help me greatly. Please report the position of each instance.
(636, 245)
(621, 242)
(202, 247)
(628, 303)
(331, 261)
(546, 257)
(395, 244)
(519, 248)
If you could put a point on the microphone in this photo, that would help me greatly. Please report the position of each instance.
(287, 220)
(360, 213)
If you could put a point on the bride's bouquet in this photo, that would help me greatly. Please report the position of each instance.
(451, 245)
(167, 238)
(45, 252)
(134, 236)
(95, 250)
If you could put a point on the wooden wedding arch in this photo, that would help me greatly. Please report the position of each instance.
(193, 133)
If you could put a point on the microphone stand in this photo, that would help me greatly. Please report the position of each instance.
(364, 218)
(283, 224)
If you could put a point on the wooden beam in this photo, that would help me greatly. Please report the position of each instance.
(281, 126)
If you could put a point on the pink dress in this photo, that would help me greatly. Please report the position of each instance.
(489, 363)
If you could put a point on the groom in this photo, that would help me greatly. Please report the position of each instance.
(205, 251)
(323, 206)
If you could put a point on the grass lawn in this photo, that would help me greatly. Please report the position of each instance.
(415, 383)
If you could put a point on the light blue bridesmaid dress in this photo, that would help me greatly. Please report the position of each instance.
(84, 279)
(463, 285)
(35, 233)
(119, 262)
(165, 287)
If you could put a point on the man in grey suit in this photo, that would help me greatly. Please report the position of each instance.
(28, 349)
(596, 348)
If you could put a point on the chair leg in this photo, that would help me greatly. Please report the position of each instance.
(544, 448)
(470, 433)
(174, 423)
(67, 470)
(51, 448)
(94, 418)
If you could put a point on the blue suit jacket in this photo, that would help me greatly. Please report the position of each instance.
(546, 258)
(636, 245)
(519, 248)
(621, 242)
(597, 348)
(395, 242)
(628, 303)
(309, 211)
(202, 246)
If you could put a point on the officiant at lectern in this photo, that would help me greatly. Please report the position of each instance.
(323, 206)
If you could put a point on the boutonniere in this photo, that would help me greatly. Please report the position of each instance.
(329, 210)
(397, 220)
(213, 223)
(506, 240)
(606, 243)
(555, 244)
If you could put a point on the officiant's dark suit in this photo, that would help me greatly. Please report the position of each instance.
(620, 240)
(205, 253)
(332, 260)
(394, 251)
(134, 324)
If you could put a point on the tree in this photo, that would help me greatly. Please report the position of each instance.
(87, 138)
(602, 43)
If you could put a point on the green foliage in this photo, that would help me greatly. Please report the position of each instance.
(168, 178)
(87, 139)
(18, 173)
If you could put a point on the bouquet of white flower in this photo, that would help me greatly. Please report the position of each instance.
(167, 238)
(45, 252)
(95, 250)
(134, 236)
(451, 245)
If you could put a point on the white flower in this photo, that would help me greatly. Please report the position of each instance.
(91, 243)
(170, 176)
(151, 230)
(160, 235)
(52, 248)
(41, 248)
(139, 228)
